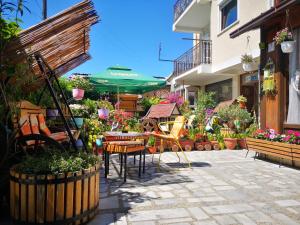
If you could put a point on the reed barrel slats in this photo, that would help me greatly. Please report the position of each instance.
(272, 148)
(71, 198)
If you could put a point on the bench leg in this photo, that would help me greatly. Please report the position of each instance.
(247, 153)
(140, 164)
(125, 167)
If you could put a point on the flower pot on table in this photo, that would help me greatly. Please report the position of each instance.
(187, 145)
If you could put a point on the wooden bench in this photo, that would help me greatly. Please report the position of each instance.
(271, 148)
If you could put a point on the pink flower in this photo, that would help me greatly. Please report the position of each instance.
(272, 131)
(272, 136)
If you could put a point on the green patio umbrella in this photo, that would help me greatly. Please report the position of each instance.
(118, 79)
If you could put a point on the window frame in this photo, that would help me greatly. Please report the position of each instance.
(222, 4)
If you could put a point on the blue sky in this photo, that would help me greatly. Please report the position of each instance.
(128, 34)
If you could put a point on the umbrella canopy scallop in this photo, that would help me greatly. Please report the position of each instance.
(124, 80)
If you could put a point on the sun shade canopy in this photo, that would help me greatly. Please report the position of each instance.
(124, 80)
(62, 40)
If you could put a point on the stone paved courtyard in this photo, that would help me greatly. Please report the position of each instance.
(222, 187)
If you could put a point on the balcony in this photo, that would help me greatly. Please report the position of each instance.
(179, 7)
(191, 15)
(198, 55)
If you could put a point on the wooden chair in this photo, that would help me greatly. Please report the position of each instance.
(173, 136)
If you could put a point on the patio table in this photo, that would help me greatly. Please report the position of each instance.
(124, 144)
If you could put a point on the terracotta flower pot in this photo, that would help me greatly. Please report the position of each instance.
(187, 145)
(215, 145)
(242, 143)
(199, 146)
(230, 143)
(242, 105)
(152, 149)
(77, 93)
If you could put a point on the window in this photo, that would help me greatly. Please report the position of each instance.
(191, 98)
(228, 13)
(293, 116)
(223, 90)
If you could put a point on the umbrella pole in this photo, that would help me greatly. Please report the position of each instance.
(118, 92)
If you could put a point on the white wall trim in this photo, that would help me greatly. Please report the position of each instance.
(233, 61)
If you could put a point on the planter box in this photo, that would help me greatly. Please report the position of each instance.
(71, 198)
(281, 150)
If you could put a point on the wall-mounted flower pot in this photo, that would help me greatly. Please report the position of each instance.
(78, 94)
(78, 121)
(230, 143)
(103, 113)
(248, 67)
(52, 112)
(287, 46)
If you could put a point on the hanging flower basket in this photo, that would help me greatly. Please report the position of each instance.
(103, 113)
(285, 39)
(78, 94)
(248, 67)
(287, 46)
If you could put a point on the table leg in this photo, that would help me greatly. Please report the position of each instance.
(125, 167)
(105, 164)
(121, 164)
(134, 158)
(140, 164)
(144, 162)
(107, 156)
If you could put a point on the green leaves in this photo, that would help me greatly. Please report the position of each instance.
(55, 162)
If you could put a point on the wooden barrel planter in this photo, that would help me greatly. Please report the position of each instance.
(71, 198)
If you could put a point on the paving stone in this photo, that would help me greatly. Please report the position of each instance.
(224, 188)
(223, 209)
(176, 221)
(121, 219)
(287, 203)
(225, 220)
(198, 213)
(151, 215)
(243, 219)
(279, 217)
(260, 217)
(103, 219)
(109, 203)
(205, 222)
(166, 194)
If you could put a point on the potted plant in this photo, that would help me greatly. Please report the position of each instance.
(285, 39)
(78, 112)
(241, 141)
(104, 107)
(242, 101)
(79, 85)
(230, 142)
(151, 144)
(51, 179)
(185, 140)
(248, 62)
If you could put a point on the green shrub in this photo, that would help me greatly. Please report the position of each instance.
(56, 162)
